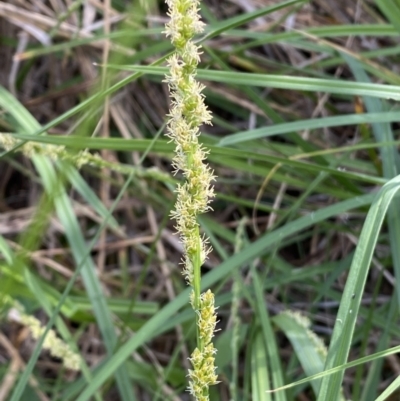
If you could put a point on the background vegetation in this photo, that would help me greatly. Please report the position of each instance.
(306, 220)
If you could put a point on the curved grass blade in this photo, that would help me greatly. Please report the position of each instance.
(391, 164)
(390, 390)
(314, 123)
(341, 368)
(352, 295)
(282, 82)
(391, 9)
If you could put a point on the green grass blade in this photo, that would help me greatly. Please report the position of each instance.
(243, 19)
(391, 162)
(341, 368)
(395, 385)
(307, 350)
(270, 344)
(391, 9)
(315, 123)
(282, 82)
(259, 370)
(374, 377)
(352, 295)
(87, 193)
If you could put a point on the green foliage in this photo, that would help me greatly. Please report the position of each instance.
(305, 147)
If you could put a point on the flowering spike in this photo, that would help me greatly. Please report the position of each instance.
(188, 112)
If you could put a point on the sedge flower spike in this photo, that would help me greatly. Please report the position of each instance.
(188, 112)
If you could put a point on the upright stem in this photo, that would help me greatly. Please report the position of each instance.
(197, 289)
(188, 112)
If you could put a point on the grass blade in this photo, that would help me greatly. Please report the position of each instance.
(351, 299)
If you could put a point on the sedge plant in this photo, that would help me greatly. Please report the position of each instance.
(188, 112)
